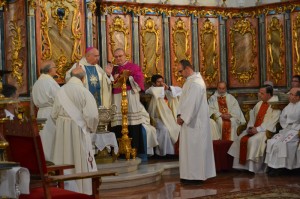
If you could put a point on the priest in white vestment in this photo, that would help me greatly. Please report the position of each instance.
(249, 148)
(225, 109)
(282, 148)
(10, 91)
(137, 115)
(98, 81)
(163, 97)
(76, 115)
(196, 157)
(43, 94)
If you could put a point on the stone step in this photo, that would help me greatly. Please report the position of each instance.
(145, 174)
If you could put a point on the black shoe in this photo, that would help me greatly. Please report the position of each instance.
(191, 182)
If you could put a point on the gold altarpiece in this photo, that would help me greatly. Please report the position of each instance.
(119, 33)
(180, 39)
(243, 53)
(296, 42)
(60, 33)
(151, 40)
(276, 70)
(209, 51)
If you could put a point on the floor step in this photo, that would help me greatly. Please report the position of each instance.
(145, 174)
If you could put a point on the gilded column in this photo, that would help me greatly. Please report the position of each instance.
(195, 45)
(223, 49)
(136, 43)
(167, 65)
(102, 38)
(89, 23)
(262, 48)
(31, 39)
(2, 56)
(288, 43)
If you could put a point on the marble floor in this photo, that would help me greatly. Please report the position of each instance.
(169, 186)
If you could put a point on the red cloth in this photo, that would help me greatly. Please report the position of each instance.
(244, 141)
(226, 126)
(56, 193)
(223, 160)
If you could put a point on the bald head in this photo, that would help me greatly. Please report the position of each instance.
(78, 72)
(92, 56)
(48, 67)
(294, 95)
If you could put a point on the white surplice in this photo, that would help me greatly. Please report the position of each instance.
(282, 148)
(196, 157)
(237, 117)
(72, 143)
(166, 127)
(43, 94)
(257, 143)
(105, 81)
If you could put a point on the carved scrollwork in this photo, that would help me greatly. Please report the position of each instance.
(3, 3)
(76, 33)
(296, 34)
(208, 42)
(61, 62)
(243, 47)
(150, 35)
(180, 44)
(92, 6)
(60, 13)
(45, 43)
(118, 35)
(17, 63)
(275, 49)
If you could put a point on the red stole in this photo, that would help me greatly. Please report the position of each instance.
(226, 126)
(258, 121)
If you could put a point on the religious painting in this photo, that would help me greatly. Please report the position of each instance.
(60, 34)
(16, 46)
(243, 70)
(151, 41)
(276, 70)
(180, 38)
(209, 51)
(295, 18)
(119, 33)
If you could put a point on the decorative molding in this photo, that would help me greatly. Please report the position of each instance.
(150, 28)
(60, 13)
(275, 27)
(209, 53)
(242, 27)
(17, 62)
(45, 39)
(181, 43)
(118, 25)
(198, 11)
(92, 6)
(296, 37)
(76, 33)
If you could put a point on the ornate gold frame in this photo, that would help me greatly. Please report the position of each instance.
(242, 26)
(296, 37)
(46, 44)
(60, 22)
(118, 25)
(17, 63)
(275, 26)
(150, 27)
(179, 27)
(208, 28)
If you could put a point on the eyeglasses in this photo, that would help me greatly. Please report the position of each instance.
(295, 81)
(180, 71)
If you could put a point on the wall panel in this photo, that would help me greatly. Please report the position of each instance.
(242, 43)
(295, 19)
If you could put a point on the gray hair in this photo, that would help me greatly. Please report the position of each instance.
(46, 69)
(80, 75)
